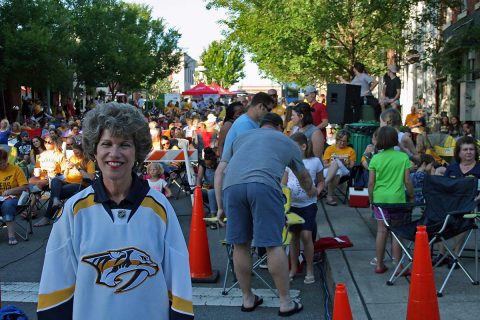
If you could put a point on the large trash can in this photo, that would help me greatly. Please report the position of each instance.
(361, 136)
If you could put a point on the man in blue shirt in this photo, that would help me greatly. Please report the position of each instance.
(261, 104)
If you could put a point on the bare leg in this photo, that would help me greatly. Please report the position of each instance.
(242, 261)
(380, 243)
(278, 268)
(332, 171)
(10, 229)
(306, 236)
(294, 253)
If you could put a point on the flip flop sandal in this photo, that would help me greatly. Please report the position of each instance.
(258, 301)
(297, 307)
(381, 270)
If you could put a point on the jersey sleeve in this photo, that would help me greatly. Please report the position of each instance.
(177, 269)
(57, 284)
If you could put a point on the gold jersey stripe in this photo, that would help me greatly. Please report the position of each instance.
(149, 202)
(49, 300)
(180, 304)
(83, 203)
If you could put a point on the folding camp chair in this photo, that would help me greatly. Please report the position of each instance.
(290, 220)
(447, 202)
(23, 224)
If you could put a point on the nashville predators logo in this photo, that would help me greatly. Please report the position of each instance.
(123, 269)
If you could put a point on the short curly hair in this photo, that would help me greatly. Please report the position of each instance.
(122, 120)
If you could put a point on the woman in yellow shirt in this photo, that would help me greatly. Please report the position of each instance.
(337, 160)
(77, 169)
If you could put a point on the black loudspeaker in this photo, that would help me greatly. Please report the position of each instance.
(343, 103)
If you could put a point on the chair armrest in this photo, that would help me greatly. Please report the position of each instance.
(459, 213)
(293, 219)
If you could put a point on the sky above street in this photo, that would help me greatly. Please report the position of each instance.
(198, 27)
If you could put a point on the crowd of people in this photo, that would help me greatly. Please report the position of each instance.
(247, 150)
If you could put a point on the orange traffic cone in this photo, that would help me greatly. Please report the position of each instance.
(422, 298)
(341, 306)
(199, 253)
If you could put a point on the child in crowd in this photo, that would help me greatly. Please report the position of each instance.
(305, 207)
(388, 177)
(206, 180)
(421, 167)
(155, 181)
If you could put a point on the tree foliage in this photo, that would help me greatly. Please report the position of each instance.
(120, 44)
(36, 43)
(44, 43)
(314, 41)
(223, 62)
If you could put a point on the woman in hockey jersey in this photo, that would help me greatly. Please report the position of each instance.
(117, 250)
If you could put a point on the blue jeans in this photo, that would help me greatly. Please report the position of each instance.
(61, 190)
(8, 209)
(212, 201)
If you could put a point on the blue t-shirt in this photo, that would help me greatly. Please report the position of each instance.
(454, 171)
(4, 135)
(241, 125)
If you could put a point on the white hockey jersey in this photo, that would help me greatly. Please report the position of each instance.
(108, 261)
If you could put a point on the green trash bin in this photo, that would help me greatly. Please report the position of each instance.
(361, 136)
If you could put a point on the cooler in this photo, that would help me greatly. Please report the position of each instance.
(358, 197)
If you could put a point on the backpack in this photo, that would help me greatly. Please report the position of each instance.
(12, 313)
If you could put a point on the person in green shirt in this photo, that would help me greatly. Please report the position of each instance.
(389, 176)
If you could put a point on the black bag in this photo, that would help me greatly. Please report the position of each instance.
(359, 177)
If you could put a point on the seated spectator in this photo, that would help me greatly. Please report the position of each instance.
(206, 179)
(421, 167)
(16, 129)
(468, 129)
(49, 162)
(14, 183)
(5, 134)
(67, 147)
(370, 151)
(338, 160)
(75, 133)
(156, 180)
(79, 171)
(23, 148)
(445, 126)
(155, 133)
(455, 127)
(38, 146)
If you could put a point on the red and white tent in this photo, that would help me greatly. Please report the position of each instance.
(200, 89)
(221, 91)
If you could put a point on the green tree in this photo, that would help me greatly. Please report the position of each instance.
(223, 62)
(317, 40)
(36, 44)
(122, 46)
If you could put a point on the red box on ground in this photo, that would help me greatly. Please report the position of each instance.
(358, 197)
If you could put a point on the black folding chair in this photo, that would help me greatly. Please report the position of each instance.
(448, 201)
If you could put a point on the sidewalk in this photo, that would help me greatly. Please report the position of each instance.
(370, 297)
